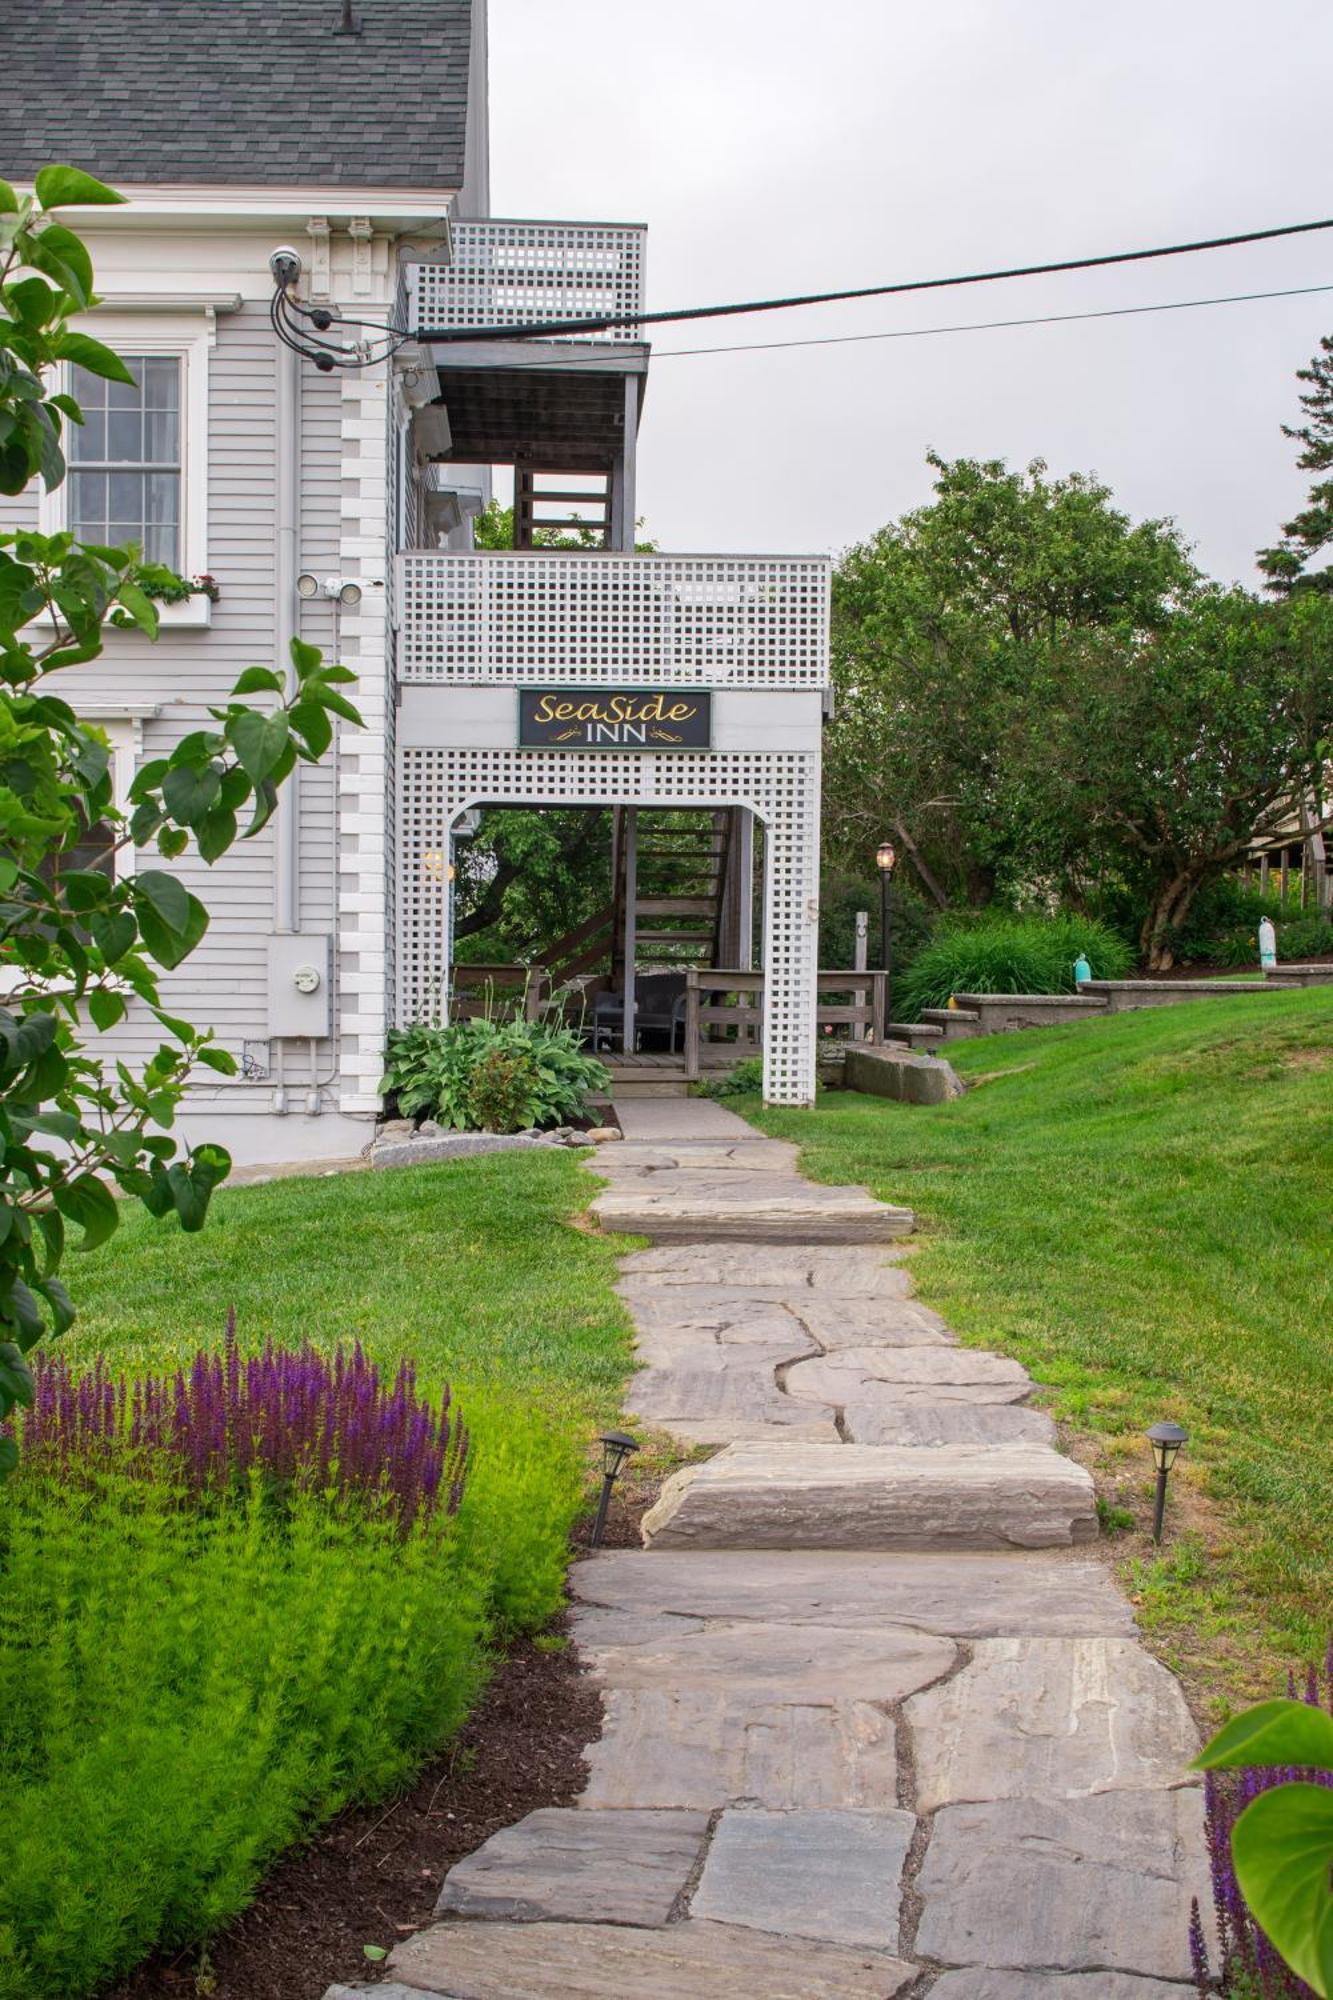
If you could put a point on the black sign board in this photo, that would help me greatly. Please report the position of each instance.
(615, 719)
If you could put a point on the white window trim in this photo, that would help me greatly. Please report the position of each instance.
(190, 338)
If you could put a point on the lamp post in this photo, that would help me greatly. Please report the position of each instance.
(885, 858)
(1166, 1440)
(616, 1448)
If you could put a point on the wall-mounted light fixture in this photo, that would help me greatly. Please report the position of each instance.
(342, 588)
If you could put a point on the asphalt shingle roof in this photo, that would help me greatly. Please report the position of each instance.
(227, 92)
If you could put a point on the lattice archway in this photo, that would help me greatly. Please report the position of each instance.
(781, 788)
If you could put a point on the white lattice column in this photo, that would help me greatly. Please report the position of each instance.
(791, 932)
(365, 755)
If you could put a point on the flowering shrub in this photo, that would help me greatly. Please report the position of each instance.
(1251, 1966)
(301, 1421)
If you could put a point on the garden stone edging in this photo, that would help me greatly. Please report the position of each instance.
(421, 1152)
(906, 1075)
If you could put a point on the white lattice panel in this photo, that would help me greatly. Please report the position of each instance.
(524, 273)
(434, 786)
(590, 620)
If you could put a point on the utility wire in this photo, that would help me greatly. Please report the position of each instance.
(603, 322)
(311, 339)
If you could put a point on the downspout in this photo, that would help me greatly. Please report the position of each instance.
(287, 823)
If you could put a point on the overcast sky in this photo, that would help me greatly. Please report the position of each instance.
(782, 146)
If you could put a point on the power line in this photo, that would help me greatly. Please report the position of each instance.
(604, 322)
(311, 338)
(597, 361)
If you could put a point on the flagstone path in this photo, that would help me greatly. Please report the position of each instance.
(874, 1722)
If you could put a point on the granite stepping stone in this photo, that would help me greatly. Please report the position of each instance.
(803, 1269)
(922, 1424)
(1065, 1885)
(835, 1876)
(686, 1961)
(889, 1376)
(977, 1985)
(755, 1208)
(680, 1313)
(780, 1661)
(889, 1322)
(969, 1597)
(1050, 1718)
(664, 1747)
(800, 1496)
(606, 1868)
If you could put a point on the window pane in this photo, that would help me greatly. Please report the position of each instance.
(88, 440)
(161, 437)
(161, 382)
(88, 506)
(127, 395)
(161, 544)
(124, 437)
(89, 389)
(125, 495)
(163, 495)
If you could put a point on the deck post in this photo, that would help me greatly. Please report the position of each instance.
(692, 1024)
(878, 982)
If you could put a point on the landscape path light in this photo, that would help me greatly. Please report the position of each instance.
(886, 860)
(616, 1448)
(1166, 1440)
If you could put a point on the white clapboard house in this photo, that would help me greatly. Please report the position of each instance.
(683, 692)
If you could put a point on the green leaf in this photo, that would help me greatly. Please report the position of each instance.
(189, 795)
(1282, 1846)
(305, 658)
(165, 896)
(374, 1952)
(339, 705)
(215, 834)
(312, 725)
(114, 935)
(9, 1457)
(9, 201)
(59, 253)
(90, 1203)
(68, 187)
(140, 607)
(172, 840)
(257, 680)
(19, 1309)
(259, 741)
(1272, 1732)
(222, 1060)
(84, 889)
(85, 352)
(62, 1306)
(16, 1384)
(106, 1007)
(169, 947)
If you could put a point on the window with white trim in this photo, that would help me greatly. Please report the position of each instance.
(125, 458)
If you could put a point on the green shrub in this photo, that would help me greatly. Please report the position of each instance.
(186, 1691)
(1007, 954)
(1301, 937)
(1222, 927)
(520, 1073)
(743, 1079)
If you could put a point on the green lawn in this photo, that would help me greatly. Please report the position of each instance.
(1142, 1211)
(472, 1270)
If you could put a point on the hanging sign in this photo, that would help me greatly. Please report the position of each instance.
(615, 719)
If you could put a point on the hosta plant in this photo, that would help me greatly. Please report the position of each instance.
(492, 1075)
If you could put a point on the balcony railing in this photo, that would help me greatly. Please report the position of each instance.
(517, 273)
(598, 620)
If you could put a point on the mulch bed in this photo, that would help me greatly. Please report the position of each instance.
(372, 1876)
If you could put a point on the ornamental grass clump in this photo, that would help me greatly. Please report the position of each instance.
(1007, 954)
(1250, 1966)
(291, 1418)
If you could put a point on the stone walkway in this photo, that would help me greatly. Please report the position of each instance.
(874, 1725)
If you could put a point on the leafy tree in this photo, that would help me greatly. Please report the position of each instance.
(944, 623)
(1174, 753)
(80, 943)
(494, 529)
(528, 876)
(1287, 566)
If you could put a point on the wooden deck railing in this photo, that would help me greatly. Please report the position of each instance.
(498, 990)
(733, 1002)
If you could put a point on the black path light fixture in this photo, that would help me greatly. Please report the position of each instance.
(1166, 1440)
(886, 859)
(616, 1448)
